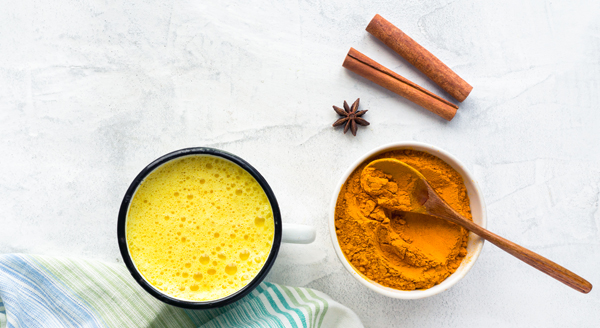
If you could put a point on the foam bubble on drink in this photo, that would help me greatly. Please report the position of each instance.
(199, 228)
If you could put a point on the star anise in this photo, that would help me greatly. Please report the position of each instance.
(350, 116)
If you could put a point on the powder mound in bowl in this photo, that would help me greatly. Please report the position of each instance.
(399, 249)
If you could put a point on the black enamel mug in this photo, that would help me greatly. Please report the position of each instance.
(290, 233)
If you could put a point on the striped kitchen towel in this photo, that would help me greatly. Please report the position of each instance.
(40, 291)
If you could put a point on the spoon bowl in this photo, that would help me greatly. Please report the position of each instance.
(409, 184)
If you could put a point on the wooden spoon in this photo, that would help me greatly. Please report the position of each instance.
(424, 199)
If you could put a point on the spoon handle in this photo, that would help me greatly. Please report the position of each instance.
(535, 260)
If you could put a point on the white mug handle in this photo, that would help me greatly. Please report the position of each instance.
(298, 234)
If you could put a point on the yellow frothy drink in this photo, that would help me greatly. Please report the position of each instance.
(199, 228)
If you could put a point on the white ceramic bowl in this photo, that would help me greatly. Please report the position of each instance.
(474, 244)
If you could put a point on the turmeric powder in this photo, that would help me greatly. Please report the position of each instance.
(402, 250)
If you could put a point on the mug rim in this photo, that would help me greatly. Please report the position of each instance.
(477, 241)
(122, 224)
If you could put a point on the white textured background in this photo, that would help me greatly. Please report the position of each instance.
(92, 91)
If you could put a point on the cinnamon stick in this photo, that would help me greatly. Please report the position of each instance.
(419, 57)
(373, 71)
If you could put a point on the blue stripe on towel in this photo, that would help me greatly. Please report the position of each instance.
(31, 291)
